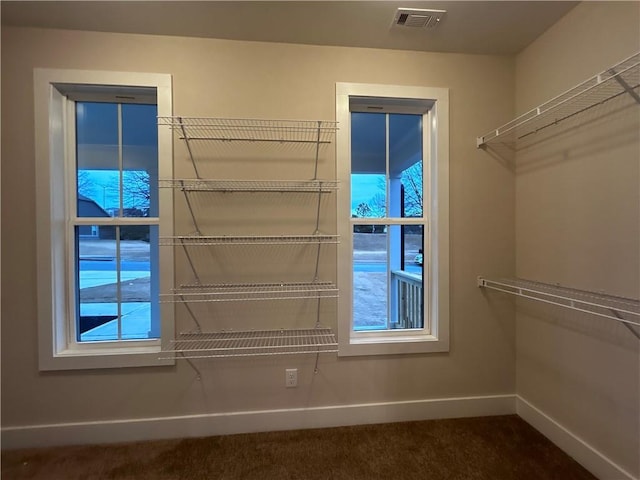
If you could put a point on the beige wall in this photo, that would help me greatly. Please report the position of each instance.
(578, 224)
(243, 79)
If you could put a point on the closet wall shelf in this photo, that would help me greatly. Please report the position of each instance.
(207, 240)
(251, 291)
(621, 309)
(251, 130)
(201, 185)
(200, 136)
(621, 79)
(252, 343)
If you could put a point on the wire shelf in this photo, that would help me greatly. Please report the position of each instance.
(612, 307)
(252, 343)
(200, 185)
(251, 291)
(621, 79)
(251, 130)
(207, 240)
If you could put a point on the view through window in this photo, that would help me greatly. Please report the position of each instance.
(115, 244)
(388, 253)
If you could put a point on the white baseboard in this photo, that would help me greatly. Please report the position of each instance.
(590, 458)
(114, 431)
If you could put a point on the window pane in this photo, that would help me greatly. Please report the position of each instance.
(97, 159)
(413, 192)
(96, 276)
(140, 160)
(368, 165)
(388, 281)
(368, 196)
(135, 282)
(117, 300)
(386, 183)
(405, 165)
(370, 286)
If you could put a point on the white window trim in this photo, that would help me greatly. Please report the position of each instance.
(56, 350)
(434, 337)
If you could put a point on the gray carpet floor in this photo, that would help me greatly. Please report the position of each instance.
(483, 448)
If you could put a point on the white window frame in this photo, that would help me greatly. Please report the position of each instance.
(434, 336)
(57, 347)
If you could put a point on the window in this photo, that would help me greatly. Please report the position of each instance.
(115, 223)
(392, 150)
(99, 155)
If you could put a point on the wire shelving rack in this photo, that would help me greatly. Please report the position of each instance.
(234, 292)
(201, 344)
(618, 80)
(251, 129)
(209, 240)
(620, 309)
(252, 343)
(201, 185)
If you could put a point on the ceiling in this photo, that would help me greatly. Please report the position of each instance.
(479, 27)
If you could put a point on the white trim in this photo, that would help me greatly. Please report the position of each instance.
(586, 455)
(435, 336)
(253, 421)
(121, 221)
(55, 350)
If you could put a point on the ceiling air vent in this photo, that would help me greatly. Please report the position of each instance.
(417, 17)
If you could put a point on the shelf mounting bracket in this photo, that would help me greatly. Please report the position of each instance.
(625, 85)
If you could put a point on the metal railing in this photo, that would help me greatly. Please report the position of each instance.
(408, 292)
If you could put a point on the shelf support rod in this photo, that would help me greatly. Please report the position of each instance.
(193, 217)
(317, 230)
(193, 366)
(189, 259)
(629, 327)
(315, 273)
(315, 367)
(195, 319)
(186, 141)
(625, 85)
(315, 171)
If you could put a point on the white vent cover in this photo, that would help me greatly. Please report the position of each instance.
(417, 17)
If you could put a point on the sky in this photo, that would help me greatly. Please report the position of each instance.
(102, 186)
(363, 187)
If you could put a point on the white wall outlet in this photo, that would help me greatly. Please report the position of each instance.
(291, 377)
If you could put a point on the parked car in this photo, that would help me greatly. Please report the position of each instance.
(419, 258)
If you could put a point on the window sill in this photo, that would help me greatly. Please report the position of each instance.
(392, 345)
(98, 358)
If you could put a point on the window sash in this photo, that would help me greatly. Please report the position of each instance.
(73, 221)
(393, 334)
(53, 90)
(434, 336)
(389, 334)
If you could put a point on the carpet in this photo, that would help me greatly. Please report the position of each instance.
(483, 448)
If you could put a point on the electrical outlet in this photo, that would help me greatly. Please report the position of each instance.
(291, 377)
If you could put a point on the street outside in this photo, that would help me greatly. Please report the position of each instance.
(98, 288)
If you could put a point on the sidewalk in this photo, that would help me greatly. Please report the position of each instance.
(135, 322)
